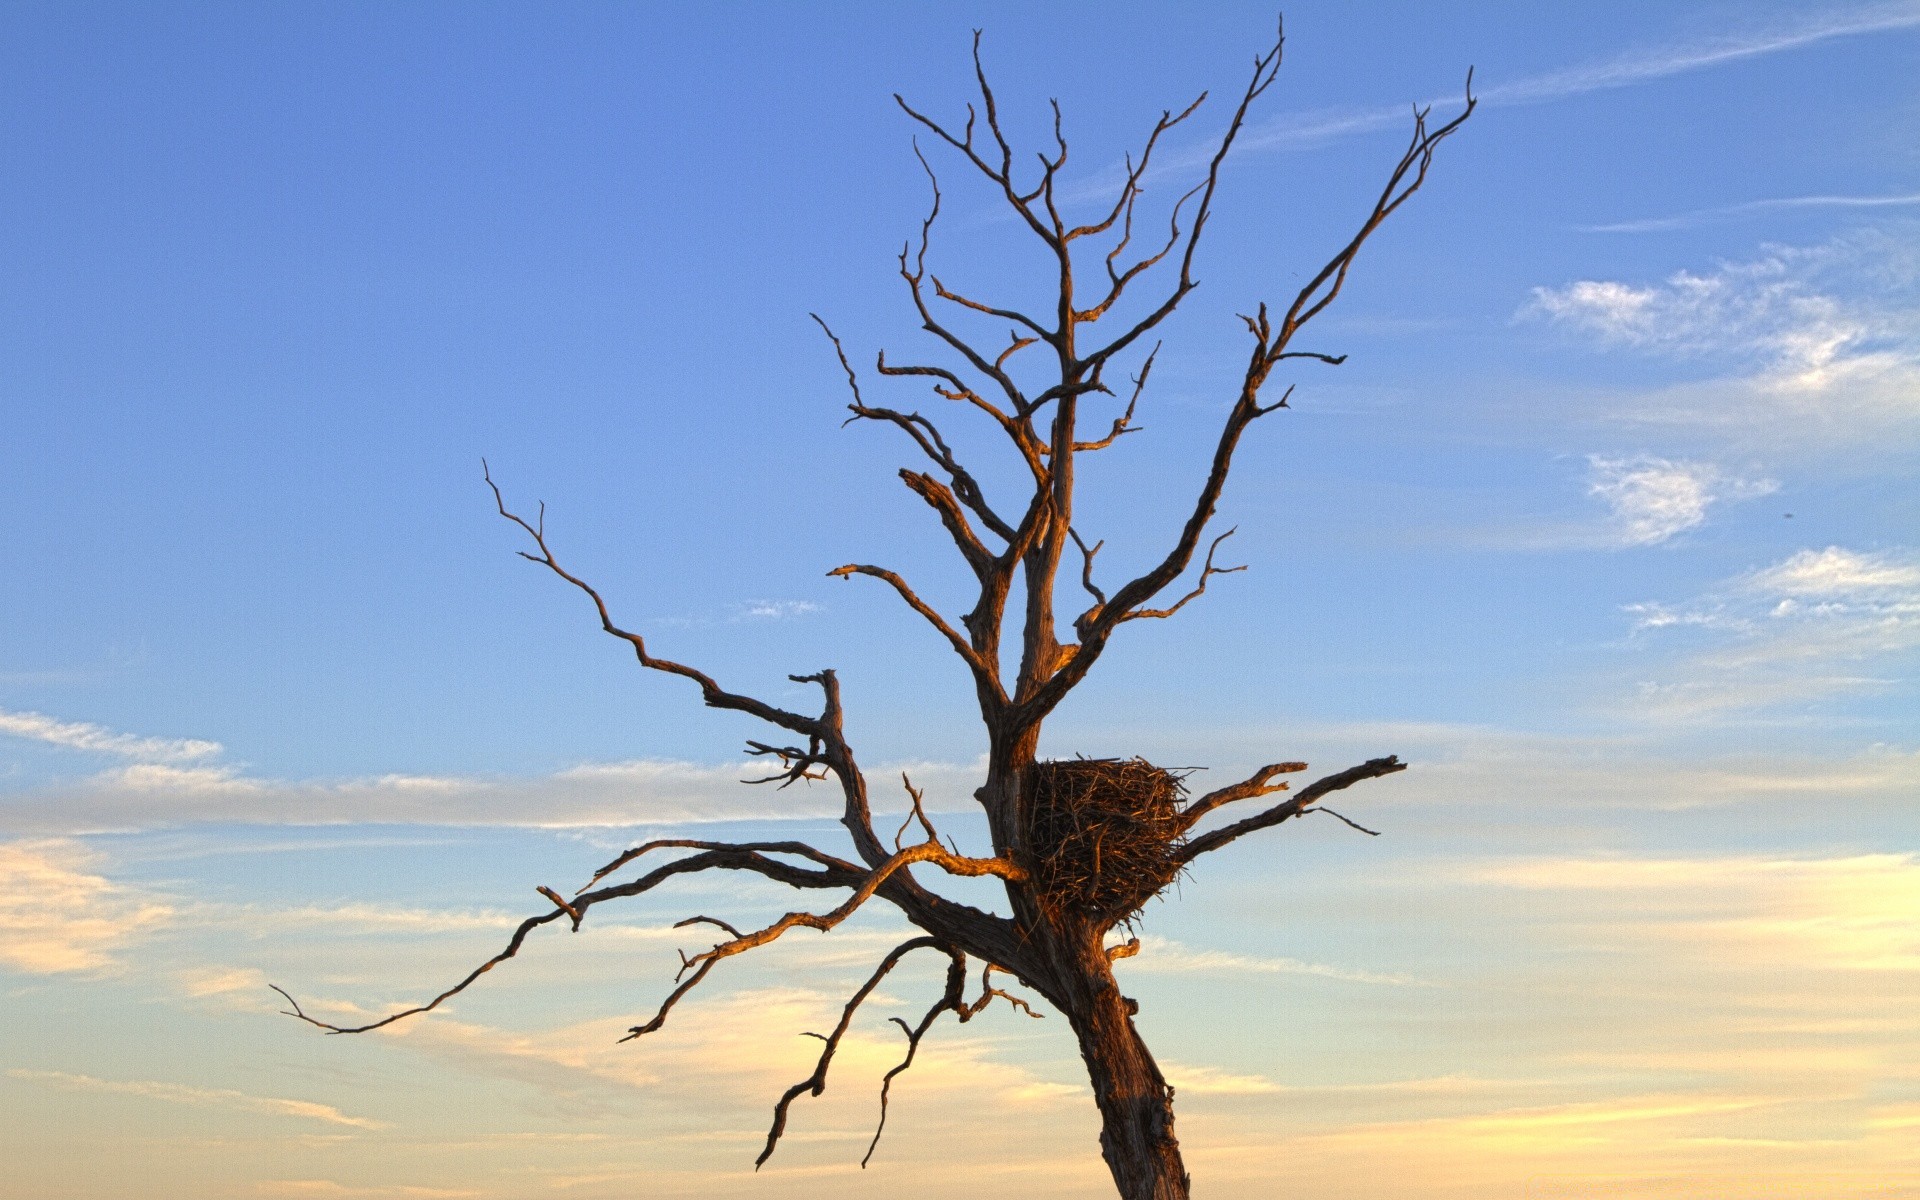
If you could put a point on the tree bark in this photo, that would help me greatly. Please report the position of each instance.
(1136, 1104)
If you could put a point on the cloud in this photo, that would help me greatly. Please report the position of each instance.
(1315, 127)
(387, 1191)
(1700, 215)
(1652, 499)
(1625, 70)
(1853, 913)
(80, 735)
(56, 917)
(1810, 343)
(1191, 1080)
(1834, 573)
(610, 795)
(1161, 955)
(1817, 623)
(1664, 62)
(180, 1093)
(777, 610)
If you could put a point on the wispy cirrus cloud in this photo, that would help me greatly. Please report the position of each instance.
(1315, 127)
(1652, 499)
(1700, 216)
(83, 735)
(1818, 623)
(1159, 954)
(199, 1097)
(58, 917)
(1814, 345)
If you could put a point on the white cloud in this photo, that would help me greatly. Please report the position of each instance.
(80, 735)
(1815, 345)
(1652, 499)
(1625, 70)
(1834, 572)
(777, 610)
(180, 1093)
(1817, 623)
(57, 917)
(1315, 127)
(1161, 955)
(614, 795)
(1696, 216)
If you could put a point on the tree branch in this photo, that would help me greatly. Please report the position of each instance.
(1214, 839)
(716, 855)
(950, 998)
(1207, 571)
(1260, 783)
(983, 671)
(816, 1083)
(714, 695)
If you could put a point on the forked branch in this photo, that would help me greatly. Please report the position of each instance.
(714, 695)
(1293, 807)
(713, 856)
(816, 1083)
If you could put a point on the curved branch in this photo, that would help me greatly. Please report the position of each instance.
(983, 671)
(1260, 783)
(816, 1083)
(719, 855)
(1214, 839)
(798, 849)
(1207, 571)
(949, 999)
(1123, 424)
(714, 695)
(1322, 289)
(933, 852)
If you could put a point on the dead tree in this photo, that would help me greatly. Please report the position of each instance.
(1078, 845)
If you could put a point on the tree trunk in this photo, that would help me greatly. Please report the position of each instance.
(1136, 1105)
(1075, 974)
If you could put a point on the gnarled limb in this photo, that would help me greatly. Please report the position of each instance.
(965, 488)
(816, 1083)
(950, 998)
(990, 993)
(1216, 838)
(1123, 424)
(985, 672)
(1271, 346)
(710, 691)
(1207, 571)
(1260, 783)
(718, 855)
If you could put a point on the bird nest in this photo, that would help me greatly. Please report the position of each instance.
(1102, 833)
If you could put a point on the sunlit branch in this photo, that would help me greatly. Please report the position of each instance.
(984, 671)
(719, 856)
(950, 999)
(1260, 783)
(1293, 807)
(816, 1083)
(714, 695)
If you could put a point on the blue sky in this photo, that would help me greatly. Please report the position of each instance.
(1607, 525)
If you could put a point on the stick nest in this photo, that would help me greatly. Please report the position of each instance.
(1101, 834)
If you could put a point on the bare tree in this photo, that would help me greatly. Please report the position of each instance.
(1079, 845)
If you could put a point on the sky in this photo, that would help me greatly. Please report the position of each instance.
(1607, 526)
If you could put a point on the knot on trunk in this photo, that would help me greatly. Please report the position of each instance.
(1101, 834)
